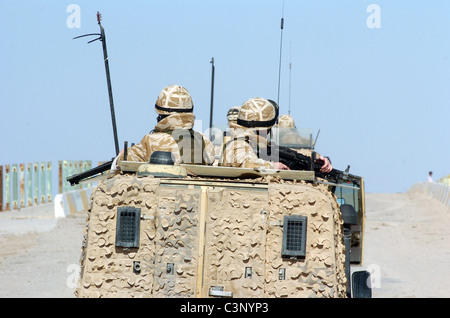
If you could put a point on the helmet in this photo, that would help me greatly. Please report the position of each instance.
(257, 113)
(286, 121)
(174, 99)
(277, 108)
(232, 114)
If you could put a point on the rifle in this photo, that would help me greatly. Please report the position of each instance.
(76, 178)
(297, 161)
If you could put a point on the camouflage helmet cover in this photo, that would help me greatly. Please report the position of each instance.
(257, 113)
(174, 99)
(286, 121)
(274, 104)
(232, 114)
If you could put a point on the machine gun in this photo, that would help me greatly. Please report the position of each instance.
(297, 161)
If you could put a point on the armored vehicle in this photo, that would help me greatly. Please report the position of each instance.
(163, 230)
(160, 230)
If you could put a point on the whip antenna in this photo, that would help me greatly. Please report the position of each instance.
(102, 38)
(212, 95)
(281, 47)
(290, 71)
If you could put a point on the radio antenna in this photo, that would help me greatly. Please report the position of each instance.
(102, 38)
(290, 71)
(281, 48)
(315, 141)
(212, 95)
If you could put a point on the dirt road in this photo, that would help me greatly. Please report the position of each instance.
(39, 255)
(406, 249)
(406, 245)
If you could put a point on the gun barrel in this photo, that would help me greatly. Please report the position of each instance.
(76, 178)
(296, 161)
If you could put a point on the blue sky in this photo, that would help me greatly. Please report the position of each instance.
(378, 95)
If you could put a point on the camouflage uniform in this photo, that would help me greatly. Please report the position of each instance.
(255, 117)
(174, 133)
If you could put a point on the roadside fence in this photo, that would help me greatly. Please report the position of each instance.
(438, 191)
(28, 184)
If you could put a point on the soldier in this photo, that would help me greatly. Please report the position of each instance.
(249, 136)
(232, 114)
(249, 144)
(173, 131)
(287, 132)
(223, 136)
(286, 121)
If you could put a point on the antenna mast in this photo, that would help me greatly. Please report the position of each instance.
(281, 47)
(212, 95)
(290, 71)
(102, 38)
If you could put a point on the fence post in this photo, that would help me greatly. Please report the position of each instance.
(29, 185)
(80, 168)
(49, 181)
(1, 188)
(86, 166)
(36, 184)
(66, 173)
(22, 184)
(15, 184)
(60, 176)
(43, 192)
(7, 188)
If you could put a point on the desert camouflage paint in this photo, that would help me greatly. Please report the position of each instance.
(198, 233)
